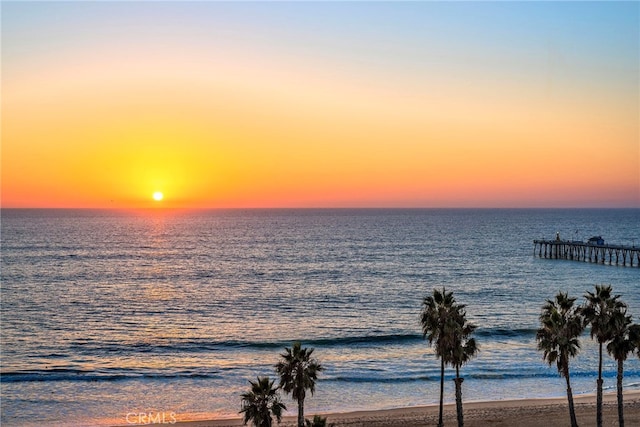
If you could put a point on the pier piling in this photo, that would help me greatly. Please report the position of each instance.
(587, 252)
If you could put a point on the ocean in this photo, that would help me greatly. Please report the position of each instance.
(111, 313)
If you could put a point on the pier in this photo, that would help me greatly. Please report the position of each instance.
(591, 252)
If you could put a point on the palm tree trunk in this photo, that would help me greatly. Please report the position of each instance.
(458, 382)
(620, 405)
(572, 411)
(599, 392)
(301, 411)
(440, 423)
(265, 413)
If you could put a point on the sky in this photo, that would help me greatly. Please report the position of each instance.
(320, 104)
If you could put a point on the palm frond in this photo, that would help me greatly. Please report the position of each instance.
(298, 371)
(261, 402)
(561, 325)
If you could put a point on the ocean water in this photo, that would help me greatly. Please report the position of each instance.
(106, 314)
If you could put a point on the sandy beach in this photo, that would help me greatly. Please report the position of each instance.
(522, 413)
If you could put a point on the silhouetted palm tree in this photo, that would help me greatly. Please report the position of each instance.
(261, 402)
(298, 373)
(438, 310)
(598, 312)
(463, 349)
(620, 347)
(318, 421)
(561, 325)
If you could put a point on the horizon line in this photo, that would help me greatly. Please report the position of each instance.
(169, 208)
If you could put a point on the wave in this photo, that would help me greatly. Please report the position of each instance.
(349, 379)
(81, 375)
(484, 376)
(365, 339)
(195, 345)
(205, 345)
(78, 375)
(448, 376)
(505, 332)
(424, 378)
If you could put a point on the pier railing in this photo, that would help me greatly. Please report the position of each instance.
(581, 251)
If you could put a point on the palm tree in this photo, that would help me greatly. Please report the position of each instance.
(298, 373)
(261, 402)
(598, 312)
(438, 310)
(463, 349)
(620, 347)
(561, 325)
(318, 421)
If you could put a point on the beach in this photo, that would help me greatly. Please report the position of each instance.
(522, 413)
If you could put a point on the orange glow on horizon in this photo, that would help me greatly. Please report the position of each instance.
(237, 125)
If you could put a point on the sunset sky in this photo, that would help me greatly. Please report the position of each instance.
(327, 104)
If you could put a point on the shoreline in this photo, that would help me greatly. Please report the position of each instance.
(502, 413)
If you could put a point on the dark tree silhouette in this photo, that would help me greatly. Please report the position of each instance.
(619, 347)
(438, 310)
(561, 325)
(298, 373)
(463, 349)
(261, 402)
(598, 312)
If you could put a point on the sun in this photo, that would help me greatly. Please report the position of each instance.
(157, 196)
